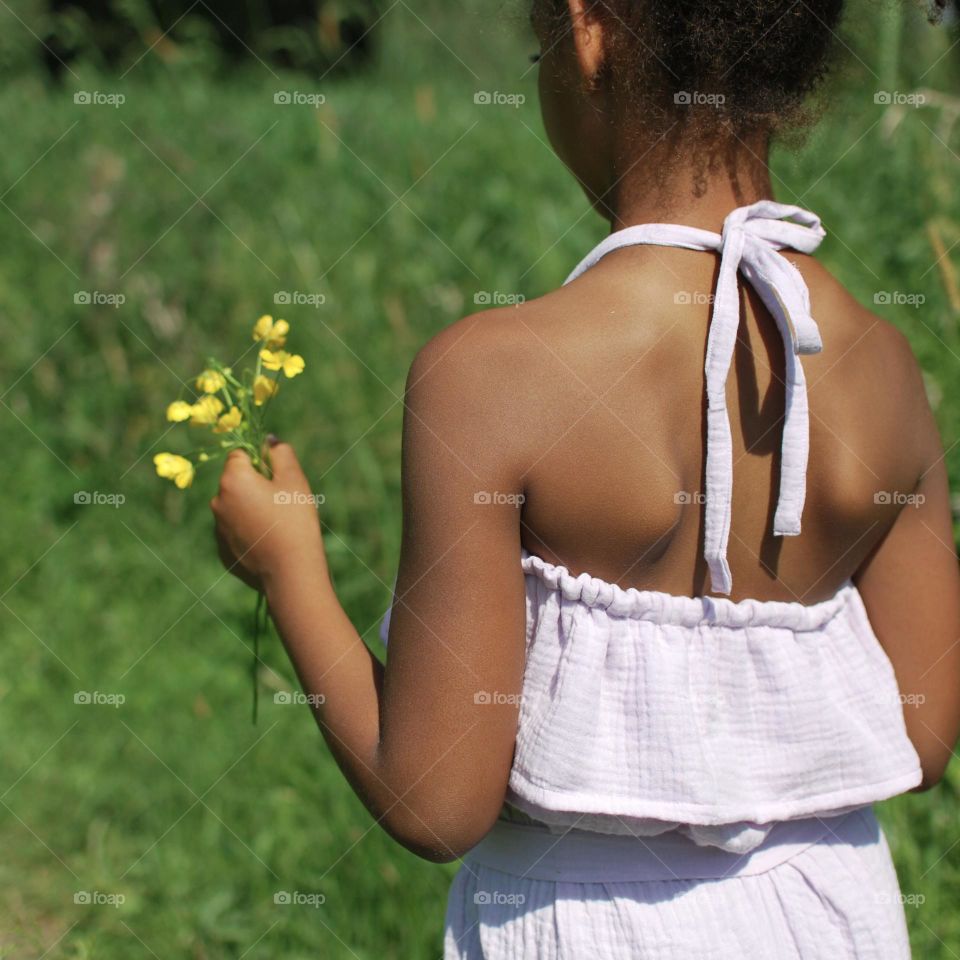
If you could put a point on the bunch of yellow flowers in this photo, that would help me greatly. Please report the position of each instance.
(233, 407)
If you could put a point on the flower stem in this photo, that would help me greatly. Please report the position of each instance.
(259, 621)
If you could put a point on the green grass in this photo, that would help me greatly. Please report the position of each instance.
(398, 200)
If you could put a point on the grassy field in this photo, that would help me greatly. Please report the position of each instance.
(199, 200)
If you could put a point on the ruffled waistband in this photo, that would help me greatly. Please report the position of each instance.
(579, 856)
(686, 611)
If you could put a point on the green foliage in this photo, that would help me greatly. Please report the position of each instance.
(397, 200)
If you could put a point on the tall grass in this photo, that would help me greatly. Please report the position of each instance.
(199, 199)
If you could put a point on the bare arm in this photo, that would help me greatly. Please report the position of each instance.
(911, 588)
(427, 756)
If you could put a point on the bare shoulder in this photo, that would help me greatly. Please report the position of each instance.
(467, 353)
(901, 380)
(470, 384)
(857, 337)
(869, 368)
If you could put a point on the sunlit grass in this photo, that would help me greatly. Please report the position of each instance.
(397, 201)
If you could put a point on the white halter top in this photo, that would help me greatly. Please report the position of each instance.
(749, 244)
(644, 712)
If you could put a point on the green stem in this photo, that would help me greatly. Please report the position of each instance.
(258, 622)
(231, 377)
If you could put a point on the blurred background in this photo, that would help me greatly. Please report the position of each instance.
(370, 170)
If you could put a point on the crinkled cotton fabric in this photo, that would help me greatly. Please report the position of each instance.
(836, 900)
(643, 711)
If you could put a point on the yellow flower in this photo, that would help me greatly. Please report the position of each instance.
(263, 389)
(262, 327)
(179, 410)
(210, 381)
(274, 333)
(171, 467)
(206, 410)
(290, 363)
(229, 421)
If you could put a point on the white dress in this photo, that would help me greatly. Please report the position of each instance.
(693, 777)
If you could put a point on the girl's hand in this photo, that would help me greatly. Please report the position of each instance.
(264, 527)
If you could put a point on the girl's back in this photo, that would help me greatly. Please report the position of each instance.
(608, 385)
(589, 404)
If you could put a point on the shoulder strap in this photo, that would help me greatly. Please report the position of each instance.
(749, 244)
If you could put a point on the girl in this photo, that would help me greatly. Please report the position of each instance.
(649, 715)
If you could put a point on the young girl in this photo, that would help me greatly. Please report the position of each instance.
(649, 714)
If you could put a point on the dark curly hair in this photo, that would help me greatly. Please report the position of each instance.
(712, 66)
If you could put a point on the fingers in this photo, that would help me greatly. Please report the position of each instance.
(238, 460)
(283, 462)
(230, 562)
(239, 473)
(236, 467)
(286, 467)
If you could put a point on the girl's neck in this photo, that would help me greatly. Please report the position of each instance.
(700, 187)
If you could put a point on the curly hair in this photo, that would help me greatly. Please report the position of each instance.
(712, 66)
